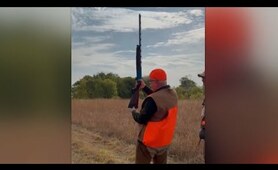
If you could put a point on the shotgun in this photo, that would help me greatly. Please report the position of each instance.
(135, 91)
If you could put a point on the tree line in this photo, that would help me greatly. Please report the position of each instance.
(111, 85)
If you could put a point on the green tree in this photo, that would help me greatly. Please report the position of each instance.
(109, 88)
(124, 87)
(180, 92)
(195, 93)
(99, 86)
(188, 89)
(187, 83)
(81, 88)
(103, 76)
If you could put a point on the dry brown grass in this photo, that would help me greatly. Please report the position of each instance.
(111, 119)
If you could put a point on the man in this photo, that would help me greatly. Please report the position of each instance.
(203, 116)
(157, 116)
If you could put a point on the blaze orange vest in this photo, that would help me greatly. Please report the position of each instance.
(159, 131)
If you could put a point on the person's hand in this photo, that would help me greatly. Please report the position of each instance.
(142, 85)
(132, 109)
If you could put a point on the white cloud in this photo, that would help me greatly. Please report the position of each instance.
(187, 37)
(91, 55)
(159, 44)
(196, 12)
(176, 66)
(125, 51)
(86, 41)
(124, 20)
(178, 49)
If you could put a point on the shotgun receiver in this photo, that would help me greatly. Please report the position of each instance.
(135, 91)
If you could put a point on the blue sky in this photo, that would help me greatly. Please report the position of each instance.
(105, 39)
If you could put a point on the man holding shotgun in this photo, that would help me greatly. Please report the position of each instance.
(157, 116)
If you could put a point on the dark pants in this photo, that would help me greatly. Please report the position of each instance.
(143, 156)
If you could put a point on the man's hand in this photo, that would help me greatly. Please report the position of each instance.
(132, 109)
(142, 85)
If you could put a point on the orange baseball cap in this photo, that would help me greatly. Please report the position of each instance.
(158, 74)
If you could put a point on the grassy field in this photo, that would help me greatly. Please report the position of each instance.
(103, 131)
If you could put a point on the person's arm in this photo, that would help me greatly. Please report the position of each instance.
(147, 90)
(148, 110)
